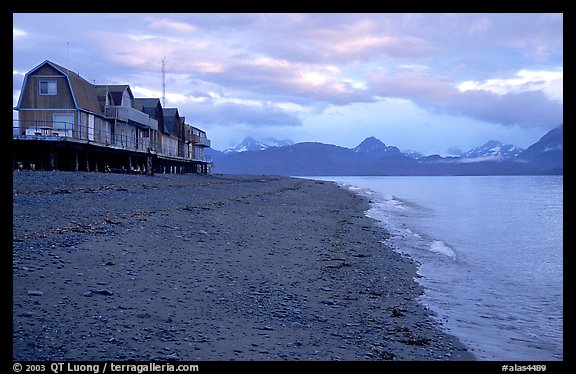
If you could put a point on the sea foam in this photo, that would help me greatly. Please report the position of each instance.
(440, 247)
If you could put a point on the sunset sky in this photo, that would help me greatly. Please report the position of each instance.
(423, 82)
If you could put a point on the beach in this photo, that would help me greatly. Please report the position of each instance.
(218, 267)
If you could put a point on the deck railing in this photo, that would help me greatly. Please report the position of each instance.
(54, 131)
(200, 140)
(62, 131)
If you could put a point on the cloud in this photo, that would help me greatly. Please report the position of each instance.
(230, 113)
(531, 107)
(17, 33)
(288, 81)
(418, 87)
(524, 80)
(338, 38)
(170, 25)
(184, 55)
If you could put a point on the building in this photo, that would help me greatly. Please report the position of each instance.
(68, 123)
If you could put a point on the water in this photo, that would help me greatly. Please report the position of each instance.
(490, 255)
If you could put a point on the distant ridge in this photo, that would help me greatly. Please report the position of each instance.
(251, 144)
(493, 149)
(374, 157)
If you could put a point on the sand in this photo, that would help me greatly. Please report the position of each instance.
(223, 267)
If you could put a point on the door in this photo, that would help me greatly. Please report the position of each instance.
(91, 127)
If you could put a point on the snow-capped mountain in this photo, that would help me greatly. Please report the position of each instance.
(251, 144)
(493, 149)
(373, 147)
(412, 153)
(372, 157)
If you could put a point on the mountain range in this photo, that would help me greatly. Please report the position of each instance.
(251, 144)
(373, 157)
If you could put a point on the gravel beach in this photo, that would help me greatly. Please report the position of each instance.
(221, 267)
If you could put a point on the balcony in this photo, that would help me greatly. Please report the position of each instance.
(126, 114)
(200, 141)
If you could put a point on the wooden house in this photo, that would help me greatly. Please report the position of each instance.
(56, 101)
(196, 142)
(153, 108)
(173, 133)
(64, 117)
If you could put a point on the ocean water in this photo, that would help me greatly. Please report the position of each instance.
(490, 255)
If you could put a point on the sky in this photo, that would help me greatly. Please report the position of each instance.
(424, 82)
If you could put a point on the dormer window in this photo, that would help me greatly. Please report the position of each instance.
(48, 88)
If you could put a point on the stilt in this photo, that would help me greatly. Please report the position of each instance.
(149, 166)
(51, 159)
(76, 161)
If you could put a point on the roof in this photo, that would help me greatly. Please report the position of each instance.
(147, 102)
(169, 118)
(84, 92)
(150, 107)
(115, 92)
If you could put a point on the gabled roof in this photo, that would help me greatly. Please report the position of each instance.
(146, 102)
(115, 92)
(83, 92)
(171, 112)
(169, 120)
(149, 106)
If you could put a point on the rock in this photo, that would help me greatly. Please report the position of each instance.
(35, 293)
(397, 313)
(100, 292)
(266, 328)
(297, 325)
(171, 357)
(103, 292)
(328, 302)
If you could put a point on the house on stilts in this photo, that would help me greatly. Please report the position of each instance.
(67, 123)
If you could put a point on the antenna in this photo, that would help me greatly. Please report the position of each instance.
(164, 79)
(68, 43)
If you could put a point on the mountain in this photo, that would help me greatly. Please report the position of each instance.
(547, 153)
(414, 154)
(493, 149)
(251, 144)
(374, 148)
(373, 157)
(455, 151)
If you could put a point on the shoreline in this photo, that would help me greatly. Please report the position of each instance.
(212, 268)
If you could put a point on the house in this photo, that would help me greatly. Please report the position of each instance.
(153, 108)
(57, 101)
(196, 144)
(173, 132)
(66, 122)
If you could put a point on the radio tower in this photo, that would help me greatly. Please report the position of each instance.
(164, 81)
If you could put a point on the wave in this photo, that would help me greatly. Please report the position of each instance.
(439, 246)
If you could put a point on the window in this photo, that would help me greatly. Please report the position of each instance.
(48, 88)
(63, 121)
